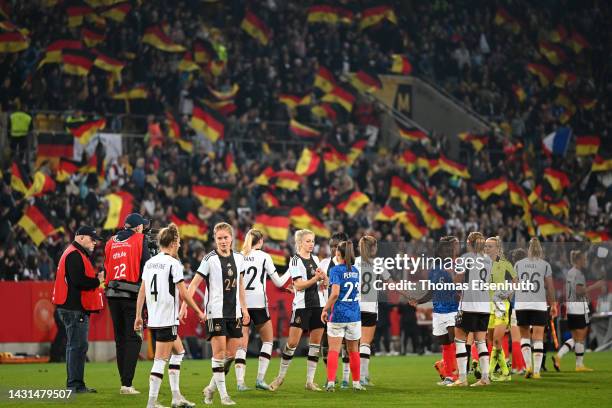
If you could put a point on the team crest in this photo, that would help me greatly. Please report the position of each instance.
(298, 320)
(230, 272)
(217, 327)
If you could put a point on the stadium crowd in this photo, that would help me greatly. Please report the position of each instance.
(464, 47)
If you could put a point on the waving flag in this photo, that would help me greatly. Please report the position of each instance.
(120, 205)
(351, 202)
(302, 130)
(274, 223)
(211, 197)
(587, 145)
(38, 223)
(557, 142)
(308, 162)
(256, 28)
(156, 37)
(400, 64)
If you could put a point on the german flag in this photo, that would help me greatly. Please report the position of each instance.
(407, 193)
(355, 151)
(43, 183)
(156, 37)
(211, 197)
(225, 108)
(344, 96)
(408, 161)
(20, 179)
(559, 208)
(287, 180)
(55, 145)
(13, 42)
(230, 163)
(302, 219)
(191, 227)
(106, 63)
(413, 224)
(293, 101)
(264, 178)
(603, 160)
(333, 159)
(274, 223)
(187, 64)
(426, 160)
(38, 223)
(137, 92)
(392, 211)
(53, 52)
(117, 12)
(597, 236)
(454, 168)
(558, 179)
(366, 81)
(374, 15)
(587, 145)
(549, 225)
(301, 130)
(225, 95)
(204, 51)
(503, 18)
(427, 213)
(256, 28)
(209, 122)
(65, 169)
(544, 74)
(92, 36)
(270, 199)
(558, 35)
(84, 131)
(565, 78)
(120, 205)
(542, 193)
(76, 15)
(77, 62)
(403, 190)
(326, 14)
(400, 64)
(332, 111)
(324, 80)
(519, 92)
(308, 163)
(411, 134)
(553, 53)
(518, 196)
(477, 142)
(174, 132)
(486, 188)
(215, 67)
(279, 258)
(577, 42)
(351, 202)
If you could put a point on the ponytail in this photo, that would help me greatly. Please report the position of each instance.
(251, 239)
(476, 240)
(348, 254)
(367, 248)
(535, 249)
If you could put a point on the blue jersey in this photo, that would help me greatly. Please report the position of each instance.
(346, 309)
(444, 301)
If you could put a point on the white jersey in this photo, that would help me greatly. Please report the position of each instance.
(300, 268)
(223, 276)
(576, 304)
(326, 265)
(474, 299)
(368, 301)
(533, 271)
(258, 266)
(160, 275)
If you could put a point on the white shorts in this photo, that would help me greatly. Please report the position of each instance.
(440, 322)
(513, 321)
(350, 331)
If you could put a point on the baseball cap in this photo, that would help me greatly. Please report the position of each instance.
(133, 220)
(87, 230)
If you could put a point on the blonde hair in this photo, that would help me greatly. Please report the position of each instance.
(223, 226)
(575, 255)
(167, 236)
(367, 248)
(299, 237)
(476, 240)
(500, 248)
(535, 249)
(251, 239)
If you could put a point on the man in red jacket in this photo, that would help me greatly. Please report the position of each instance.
(76, 293)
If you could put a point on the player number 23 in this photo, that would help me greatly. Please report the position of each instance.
(349, 292)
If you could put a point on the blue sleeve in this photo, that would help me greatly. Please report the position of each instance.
(335, 276)
(432, 275)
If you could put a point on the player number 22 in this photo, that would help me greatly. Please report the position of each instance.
(347, 295)
(119, 271)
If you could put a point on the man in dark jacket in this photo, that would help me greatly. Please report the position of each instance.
(74, 293)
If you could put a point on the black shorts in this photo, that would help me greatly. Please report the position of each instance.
(231, 328)
(164, 334)
(577, 321)
(307, 319)
(368, 319)
(259, 316)
(531, 317)
(472, 322)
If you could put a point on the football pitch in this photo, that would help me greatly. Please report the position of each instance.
(399, 381)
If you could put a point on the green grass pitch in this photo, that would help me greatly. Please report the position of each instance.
(399, 381)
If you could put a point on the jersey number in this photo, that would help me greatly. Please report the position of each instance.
(535, 282)
(119, 271)
(154, 287)
(348, 293)
(366, 283)
(229, 284)
(252, 270)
